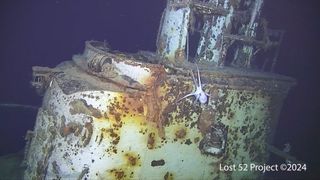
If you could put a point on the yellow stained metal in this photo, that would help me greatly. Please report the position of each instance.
(96, 129)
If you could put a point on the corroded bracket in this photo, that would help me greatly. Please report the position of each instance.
(129, 71)
(42, 78)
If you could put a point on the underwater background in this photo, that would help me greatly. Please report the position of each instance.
(47, 32)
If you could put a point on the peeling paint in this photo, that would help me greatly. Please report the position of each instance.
(113, 115)
(121, 133)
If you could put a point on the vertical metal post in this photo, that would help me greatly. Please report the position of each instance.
(173, 31)
(243, 55)
(216, 22)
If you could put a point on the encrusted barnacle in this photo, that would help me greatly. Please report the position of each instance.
(214, 142)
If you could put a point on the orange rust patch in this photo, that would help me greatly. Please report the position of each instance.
(157, 75)
(153, 110)
(206, 118)
(117, 174)
(66, 131)
(181, 133)
(151, 141)
(126, 170)
(132, 159)
(70, 128)
(153, 106)
(88, 134)
(126, 105)
(152, 99)
(114, 138)
(140, 109)
(145, 104)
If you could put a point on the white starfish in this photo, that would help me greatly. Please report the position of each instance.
(200, 95)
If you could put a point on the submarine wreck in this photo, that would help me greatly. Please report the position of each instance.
(207, 98)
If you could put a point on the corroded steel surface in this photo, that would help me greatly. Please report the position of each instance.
(173, 32)
(93, 125)
(222, 33)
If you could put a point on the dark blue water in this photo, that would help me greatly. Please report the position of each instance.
(47, 32)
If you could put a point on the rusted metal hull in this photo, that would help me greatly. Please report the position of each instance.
(129, 124)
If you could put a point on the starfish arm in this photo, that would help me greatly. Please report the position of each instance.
(194, 79)
(191, 94)
(197, 96)
(199, 80)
